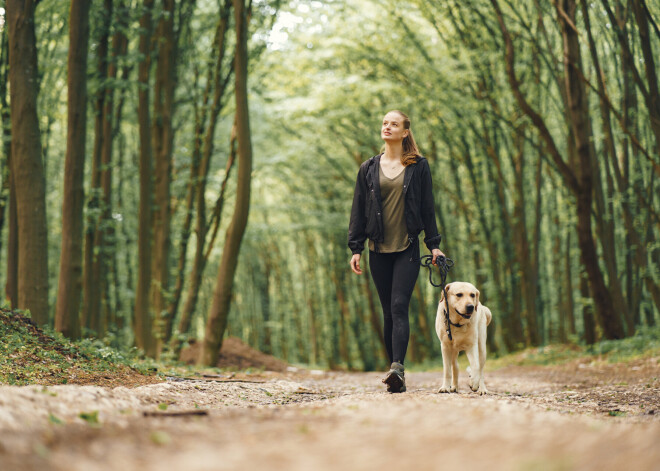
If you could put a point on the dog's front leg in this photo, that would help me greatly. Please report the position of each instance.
(474, 370)
(447, 351)
(454, 370)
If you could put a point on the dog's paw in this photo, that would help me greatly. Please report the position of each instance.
(453, 389)
(482, 391)
(473, 387)
(443, 389)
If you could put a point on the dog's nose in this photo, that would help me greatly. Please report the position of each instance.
(469, 308)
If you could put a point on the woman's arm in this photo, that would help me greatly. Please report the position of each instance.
(357, 226)
(432, 238)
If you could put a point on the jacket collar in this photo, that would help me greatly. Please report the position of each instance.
(373, 175)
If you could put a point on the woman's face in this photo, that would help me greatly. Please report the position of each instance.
(392, 129)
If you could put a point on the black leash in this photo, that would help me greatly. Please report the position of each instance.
(444, 264)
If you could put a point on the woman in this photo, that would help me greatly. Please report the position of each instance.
(392, 203)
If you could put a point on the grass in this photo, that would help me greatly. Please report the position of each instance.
(36, 355)
(644, 344)
(32, 355)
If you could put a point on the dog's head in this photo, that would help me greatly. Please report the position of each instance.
(462, 297)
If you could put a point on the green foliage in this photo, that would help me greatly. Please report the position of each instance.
(644, 344)
(31, 355)
(92, 418)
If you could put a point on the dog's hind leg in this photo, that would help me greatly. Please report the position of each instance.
(482, 359)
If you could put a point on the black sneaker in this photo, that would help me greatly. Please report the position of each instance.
(395, 379)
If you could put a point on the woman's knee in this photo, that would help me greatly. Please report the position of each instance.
(400, 306)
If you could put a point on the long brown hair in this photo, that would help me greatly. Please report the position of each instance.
(410, 149)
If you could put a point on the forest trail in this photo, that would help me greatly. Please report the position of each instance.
(581, 415)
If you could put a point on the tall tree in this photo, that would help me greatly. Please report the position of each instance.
(9, 194)
(27, 166)
(581, 123)
(217, 319)
(143, 318)
(94, 274)
(70, 281)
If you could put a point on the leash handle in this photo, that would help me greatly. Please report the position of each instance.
(444, 264)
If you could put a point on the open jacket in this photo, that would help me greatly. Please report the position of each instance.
(419, 208)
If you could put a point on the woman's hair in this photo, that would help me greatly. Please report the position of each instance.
(410, 149)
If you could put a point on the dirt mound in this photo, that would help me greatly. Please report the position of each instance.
(236, 354)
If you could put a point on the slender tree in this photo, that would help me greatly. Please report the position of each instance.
(27, 167)
(143, 318)
(70, 281)
(217, 318)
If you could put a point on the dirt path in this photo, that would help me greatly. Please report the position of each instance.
(577, 416)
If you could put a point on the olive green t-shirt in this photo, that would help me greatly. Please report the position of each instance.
(394, 222)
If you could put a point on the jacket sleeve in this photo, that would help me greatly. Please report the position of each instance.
(431, 236)
(357, 226)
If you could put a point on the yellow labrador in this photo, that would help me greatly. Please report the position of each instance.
(468, 319)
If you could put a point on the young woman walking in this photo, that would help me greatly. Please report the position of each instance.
(392, 204)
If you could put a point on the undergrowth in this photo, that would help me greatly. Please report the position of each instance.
(645, 343)
(35, 355)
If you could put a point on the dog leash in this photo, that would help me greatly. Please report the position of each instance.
(444, 265)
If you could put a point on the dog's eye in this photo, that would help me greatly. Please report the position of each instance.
(459, 295)
(472, 295)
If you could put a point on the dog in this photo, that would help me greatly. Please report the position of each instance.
(468, 320)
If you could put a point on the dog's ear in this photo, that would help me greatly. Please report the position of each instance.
(477, 303)
(442, 296)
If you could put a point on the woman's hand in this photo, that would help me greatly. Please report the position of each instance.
(355, 264)
(436, 253)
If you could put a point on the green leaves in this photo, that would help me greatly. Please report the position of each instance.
(92, 418)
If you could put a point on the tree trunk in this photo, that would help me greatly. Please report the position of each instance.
(27, 166)
(587, 311)
(67, 318)
(94, 257)
(217, 320)
(163, 140)
(201, 230)
(653, 98)
(11, 285)
(143, 318)
(106, 240)
(569, 304)
(581, 125)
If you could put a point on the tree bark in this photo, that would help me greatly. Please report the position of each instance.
(581, 125)
(106, 240)
(217, 320)
(94, 257)
(11, 284)
(218, 85)
(143, 318)
(67, 312)
(650, 68)
(27, 166)
(163, 140)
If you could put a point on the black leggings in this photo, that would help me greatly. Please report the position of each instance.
(395, 275)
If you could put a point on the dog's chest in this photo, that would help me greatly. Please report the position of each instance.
(464, 337)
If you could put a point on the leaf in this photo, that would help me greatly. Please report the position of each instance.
(91, 418)
(162, 406)
(54, 420)
(160, 438)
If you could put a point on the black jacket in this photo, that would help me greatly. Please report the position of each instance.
(419, 209)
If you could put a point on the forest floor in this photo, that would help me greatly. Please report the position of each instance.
(583, 414)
